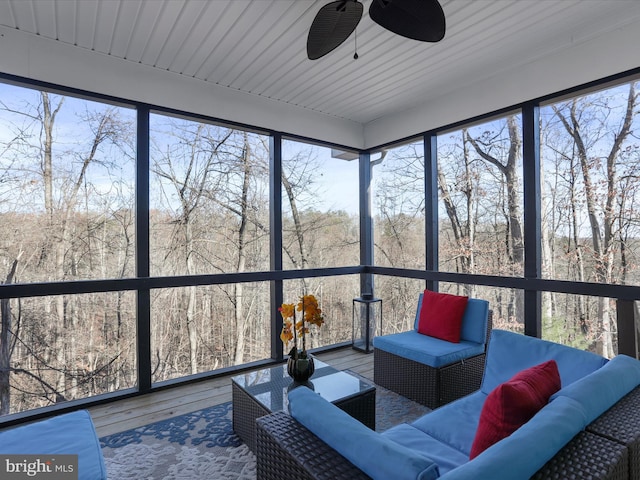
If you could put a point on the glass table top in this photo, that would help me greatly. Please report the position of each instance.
(269, 386)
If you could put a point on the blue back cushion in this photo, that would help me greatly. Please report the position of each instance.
(508, 353)
(474, 321)
(526, 450)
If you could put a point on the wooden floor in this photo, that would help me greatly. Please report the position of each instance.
(131, 413)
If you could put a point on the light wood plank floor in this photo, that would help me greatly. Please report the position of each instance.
(123, 415)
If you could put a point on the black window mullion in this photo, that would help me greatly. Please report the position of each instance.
(532, 216)
(275, 232)
(143, 316)
(431, 205)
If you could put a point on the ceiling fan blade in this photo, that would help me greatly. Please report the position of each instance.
(416, 19)
(332, 25)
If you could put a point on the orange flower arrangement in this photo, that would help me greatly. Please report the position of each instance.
(311, 314)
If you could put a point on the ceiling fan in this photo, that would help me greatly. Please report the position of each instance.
(421, 20)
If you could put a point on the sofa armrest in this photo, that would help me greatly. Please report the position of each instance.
(286, 450)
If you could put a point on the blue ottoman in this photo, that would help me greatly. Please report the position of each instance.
(71, 433)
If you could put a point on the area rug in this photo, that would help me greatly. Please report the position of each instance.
(202, 444)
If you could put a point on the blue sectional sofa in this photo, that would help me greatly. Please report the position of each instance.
(318, 440)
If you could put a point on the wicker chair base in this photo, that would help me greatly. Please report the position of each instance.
(427, 385)
(621, 423)
(424, 384)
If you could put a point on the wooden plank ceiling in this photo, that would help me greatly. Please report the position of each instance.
(258, 46)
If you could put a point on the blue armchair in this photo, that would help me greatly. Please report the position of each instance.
(432, 371)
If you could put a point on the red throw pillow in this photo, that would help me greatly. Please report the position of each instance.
(512, 404)
(441, 315)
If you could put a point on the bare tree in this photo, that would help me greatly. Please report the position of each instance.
(463, 228)
(188, 166)
(589, 128)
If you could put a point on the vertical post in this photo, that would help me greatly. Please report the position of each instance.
(431, 205)
(143, 300)
(532, 216)
(275, 240)
(627, 314)
(366, 222)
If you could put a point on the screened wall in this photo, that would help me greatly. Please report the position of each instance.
(145, 247)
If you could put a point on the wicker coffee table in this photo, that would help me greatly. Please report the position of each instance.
(261, 392)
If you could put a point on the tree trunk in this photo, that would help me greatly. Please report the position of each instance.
(546, 252)
(6, 338)
(241, 320)
(509, 170)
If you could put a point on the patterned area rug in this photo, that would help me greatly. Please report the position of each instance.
(202, 444)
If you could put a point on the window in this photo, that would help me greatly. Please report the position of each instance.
(399, 302)
(320, 209)
(198, 329)
(209, 199)
(67, 209)
(591, 188)
(399, 212)
(335, 296)
(573, 320)
(67, 191)
(590, 200)
(69, 347)
(481, 199)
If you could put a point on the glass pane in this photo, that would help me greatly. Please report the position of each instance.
(66, 187)
(398, 207)
(506, 303)
(591, 187)
(481, 199)
(399, 302)
(198, 329)
(68, 347)
(335, 298)
(587, 323)
(209, 199)
(320, 209)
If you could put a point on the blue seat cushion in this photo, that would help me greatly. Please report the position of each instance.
(509, 353)
(71, 433)
(427, 350)
(446, 457)
(376, 455)
(454, 424)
